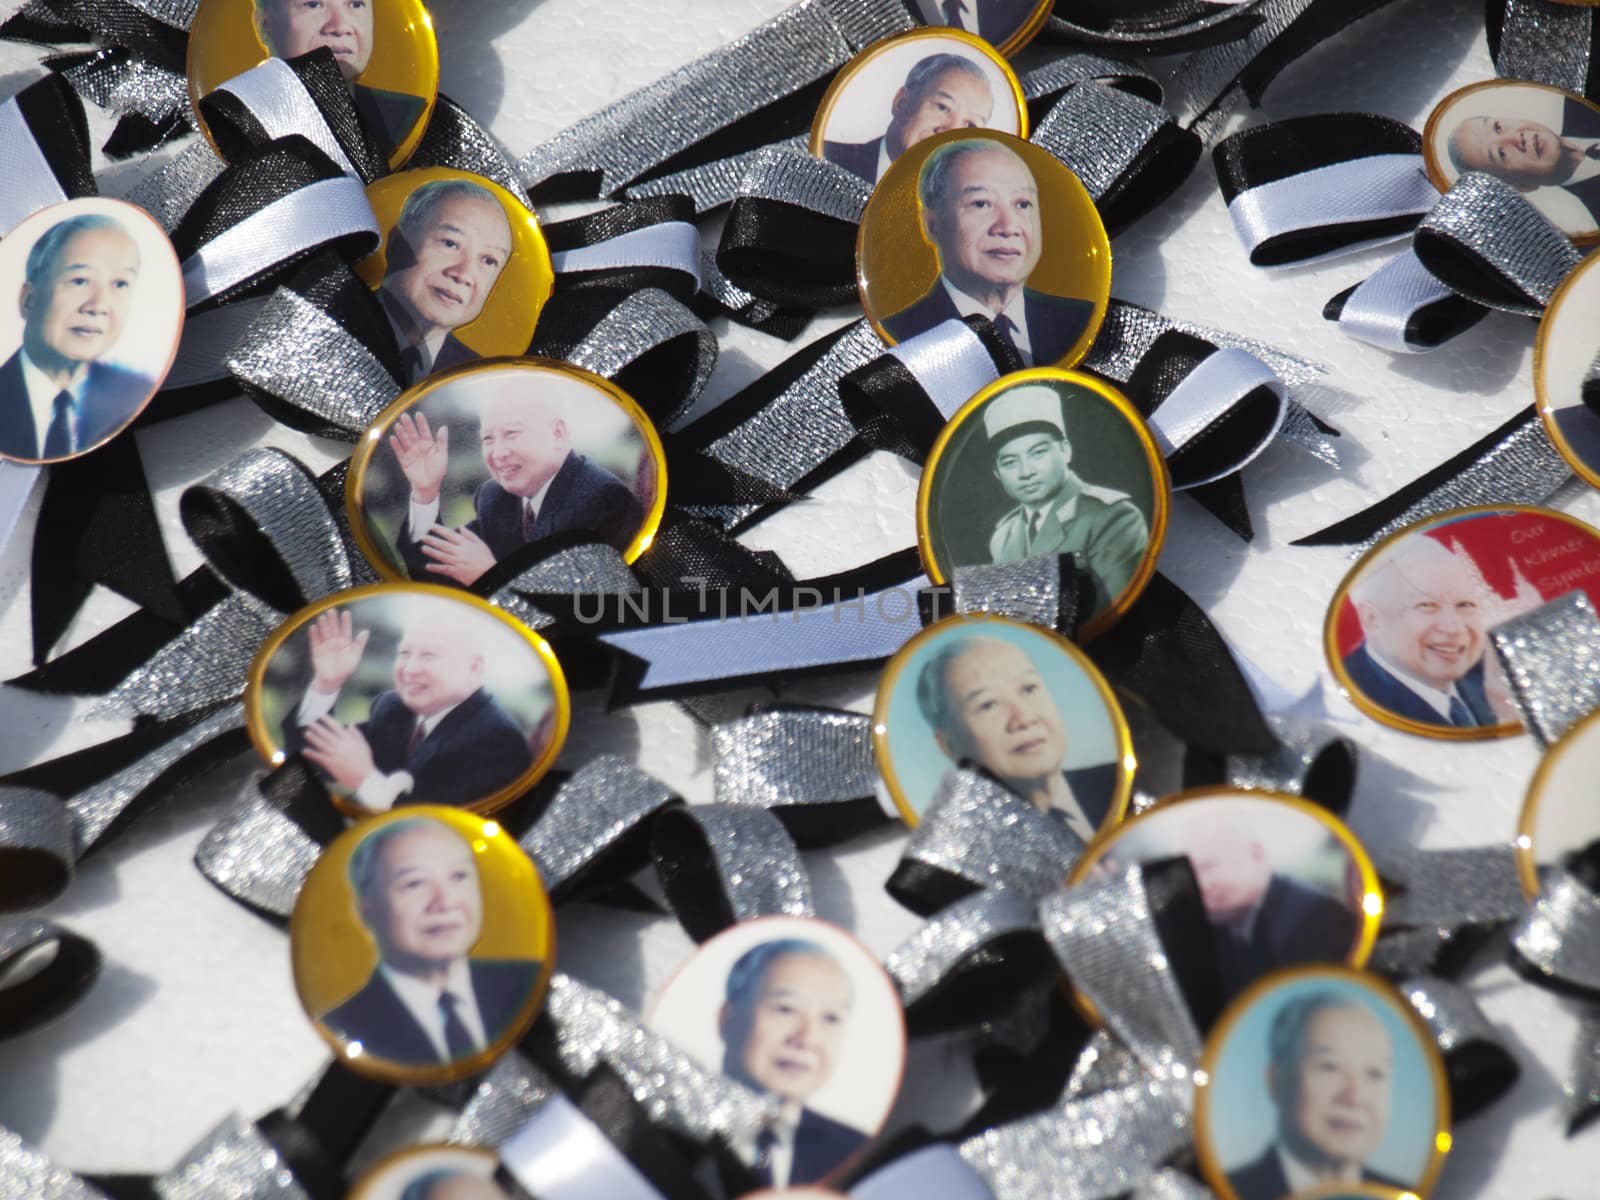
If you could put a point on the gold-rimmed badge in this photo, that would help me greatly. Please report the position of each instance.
(422, 944)
(1019, 700)
(385, 49)
(409, 693)
(1006, 480)
(1566, 370)
(906, 88)
(1531, 135)
(463, 270)
(469, 466)
(1326, 1071)
(1284, 882)
(439, 1171)
(1009, 25)
(1407, 632)
(1559, 816)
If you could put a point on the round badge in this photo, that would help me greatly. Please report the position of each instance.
(799, 1010)
(463, 270)
(983, 223)
(1407, 633)
(1324, 1074)
(1283, 881)
(905, 89)
(1533, 136)
(385, 50)
(1559, 816)
(1566, 370)
(1018, 700)
(797, 1193)
(438, 1172)
(1008, 24)
(1047, 462)
(469, 467)
(422, 943)
(401, 694)
(99, 307)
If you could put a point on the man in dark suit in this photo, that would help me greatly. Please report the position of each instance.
(78, 285)
(1423, 623)
(980, 208)
(442, 259)
(942, 92)
(426, 1003)
(1533, 158)
(1579, 424)
(538, 487)
(785, 1008)
(987, 703)
(1329, 1073)
(437, 738)
(995, 21)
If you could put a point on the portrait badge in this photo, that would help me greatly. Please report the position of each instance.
(436, 1172)
(1566, 370)
(385, 50)
(1407, 635)
(1019, 701)
(422, 943)
(1315, 1076)
(97, 310)
(1284, 883)
(403, 694)
(471, 467)
(905, 89)
(1042, 463)
(1543, 141)
(1560, 821)
(1007, 24)
(463, 270)
(799, 1011)
(980, 223)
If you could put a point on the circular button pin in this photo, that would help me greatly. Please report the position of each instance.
(1566, 370)
(433, 1172)
(1007, 24)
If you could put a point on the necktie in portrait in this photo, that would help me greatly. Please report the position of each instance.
(60, 439)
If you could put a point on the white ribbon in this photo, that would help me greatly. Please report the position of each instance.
(206, 341)
(1377, 312)
(932, 1171)
(1208, 392)
(277, 98)
(27, 184)
(674, 244)
(562, 1155)
(950, 362)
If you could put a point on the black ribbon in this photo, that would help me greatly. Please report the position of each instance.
(55, 116)
(1165, 26)
(50, 989)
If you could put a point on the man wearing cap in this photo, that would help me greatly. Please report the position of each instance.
(1057, 512)
(942, 92)
(994, 20)
(980, 209)
(1559, 170)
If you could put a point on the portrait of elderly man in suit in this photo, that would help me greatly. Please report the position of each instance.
(290, 28)
(1558, 169)
(987, 703)
(1329, 1073)
(442, 258)
(980, 210)
(993, 20)
(538, 486)
(941, 92)
(56, 397)
(438, 737)
(427, 1002)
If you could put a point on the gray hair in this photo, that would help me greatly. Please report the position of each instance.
(1286, 1040)
(417, 213)
(44, 259)
(362, 869)
(933, 693)
(922, 76)
(743, 987)
(933, 183)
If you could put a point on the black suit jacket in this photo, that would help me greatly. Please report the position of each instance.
(1383, 689)
(821, 1146)
(1580, 121)
(1093, 787)
(1295, 924)
(1263, 1178)
(999, 20)
(582, 497)
(475, 751)
(376, 1017)
(859, 158)
(110, 399)
(1581, 428)
(388, 116)
(1054, 322)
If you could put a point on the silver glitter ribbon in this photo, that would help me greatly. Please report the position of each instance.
(206, 340)
(1452, 888)
(1146, 37)
(1059, 74)
(1029, 590)
(1560, 936)
(170, 192)
(1099, 132)
(1449, 1012)
(980, 832)
(603, 800)
(234, 1160)
(1303, 749)
(1551, 657)
(511, 1092)
(918, 964)
(130, 87)
(24, 1172)
(752, 310)
(793, 756)
(757, 868)
(799, 46)
(1104, 1063)
(1172, 1185)
(34, 825)
(590, 570)
(459, 142)
(257, 854)
(21, 935)
(177, 13)
(1406, 952)
(807, 182)
(1582, 1085)
(1546, 42)
(710, 185)
(643, 321)
(1104, 935)
(1207, 84)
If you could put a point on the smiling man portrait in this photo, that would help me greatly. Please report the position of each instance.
(1557, 168)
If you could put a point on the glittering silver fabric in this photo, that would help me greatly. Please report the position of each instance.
(591, 570)
(1449, 1011)
(1130, 330)
(713, 184)
(257, 854)
(1546, 42)
(1301, 431)
(1552, 661)
(36, 821)
(1495, 228)
(1581, 1087)
(793, 757)
(1301, 747)
(1103, 934)
(1451, 888)
(328, 374)
(1104, 1063)
(177, 13)
(529, 614)
(465, 145)
(1029, 590)
(922, 960)
(1561, 933)
(758, 865)
(24, 1172)
(603, 799)
(233, 1161)
(511, 1092)
(168, 194)
(1150, 34)
(979, 831)
(1204, 88)
(1058, 74)
(643, 321)
(804, 181)
(1173, 1185)
(675, 1092)
(131, 87)
(644, 129)
(21, 934)
(1099, 132)
(1406, 952)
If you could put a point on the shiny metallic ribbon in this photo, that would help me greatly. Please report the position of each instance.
(1552, 662)
(601, 802)
(1582, 1085)
(1451, 888)
(24, 1172)
(1029, 590)
(1099, 133)
(1546, 42)
(650, 126)
(34, 827)
(710, 185)
(454, 139)
(76, 964)
(510, 1092)
(560, 1154)
(278, 99)
(168, 194)
(805, 181)
(1449, 1011)
(776, 759)
(750, 310)
(1172, 1185)
(206, 341)
(1304, 748)
(1380, 309)
(233, 1160)
(594, 569)
(1206, 85)
(1149, 37)
(1060, 73)
(257, 854)
(1205, 397)
(1104, 1063)
(1402, 953)
(643, 321)
(1560, 935)
(754, 862)
(126, 85)
(177, 13)
(920, 963)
